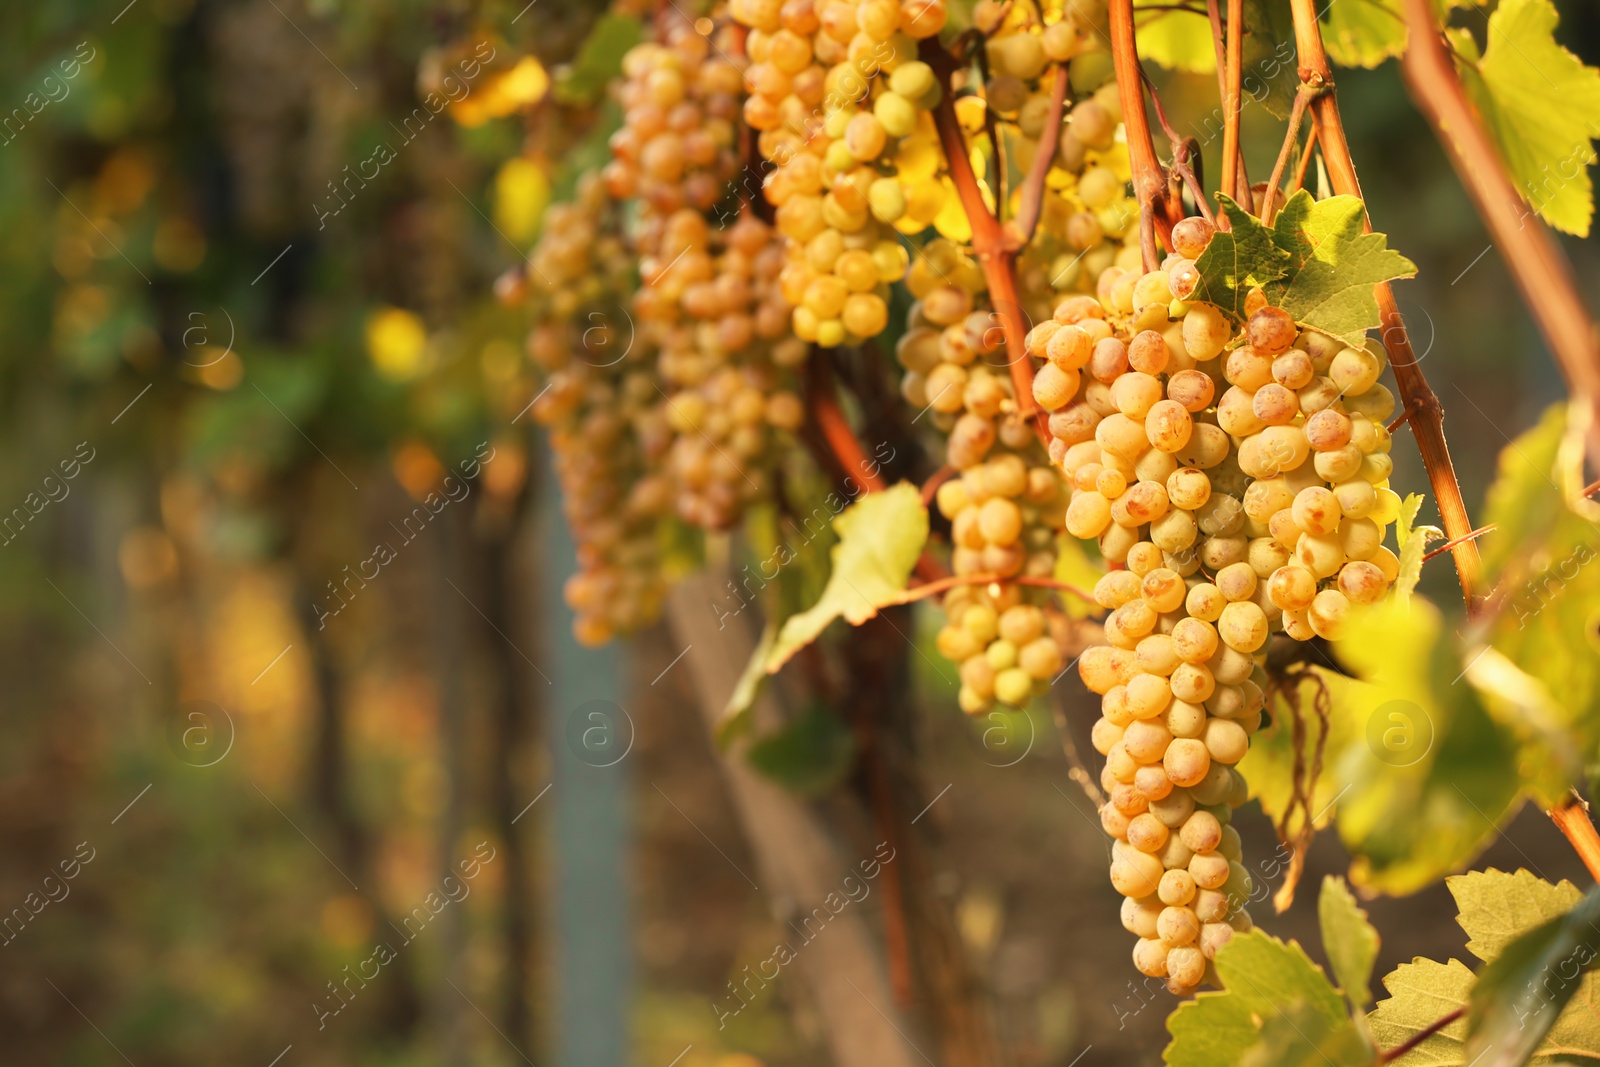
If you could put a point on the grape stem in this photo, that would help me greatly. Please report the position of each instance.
(1077, 770)
(1305, 162)
(1183, 149)
(1032, 205)
(1427, 418)
(1542, 271)
(930, 488)
(1448, 545)
(997, 253)
(939, 585)
(1297, 116)
(1572, 819)
(1420, 1036)
(1149, 180)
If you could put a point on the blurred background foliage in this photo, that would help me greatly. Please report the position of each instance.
(249, 274)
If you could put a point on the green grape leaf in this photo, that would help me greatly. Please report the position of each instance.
(1495, 907)
(880, 537)
(1411, 553)
(1523, 503)
(1538, 101)
(1349, 940)
(1408, 517)
(735, 720)
(1420, 994)
(1177, 40)
(1433, 775)
(1262, 978)
(1238, 260)
(599, 59)
(1520, 995)
(1334, 266)
(809, 755)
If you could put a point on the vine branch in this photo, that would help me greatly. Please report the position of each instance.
(841, 440)
(1233, 103)
(1542, 272)
(997, 253)
(1572, 819)
(1149, 180)
(1183, 148)
(1427, 419)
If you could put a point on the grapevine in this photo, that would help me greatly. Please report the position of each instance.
(1189, 389)
(749, 533)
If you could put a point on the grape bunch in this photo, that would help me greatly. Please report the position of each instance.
(730, 361)
(1179, 703)
(676, 147)
(1005, 506)
(1241, 485)
(600, 404)
(840, 101)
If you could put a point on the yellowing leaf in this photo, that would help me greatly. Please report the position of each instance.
(1363, 33)
(1520, 995)
(1420, 994)
(880, 537)
(735, 719)
(397, 343)
(1496, 909)
(1540, 104)
(1540, 664)
(1178, 40)
(526, 83)
(521, 193)
(1432, 775)
(952, 221)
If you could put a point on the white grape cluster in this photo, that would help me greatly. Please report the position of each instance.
(1005, 506)
(677, 146)
(838, 98)
(1241, 483)
(728, 365)
(709, 298)
(606, 428)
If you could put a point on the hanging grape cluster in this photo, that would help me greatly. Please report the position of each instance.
(1234, 476)
(1242, 482)
(600, 404)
